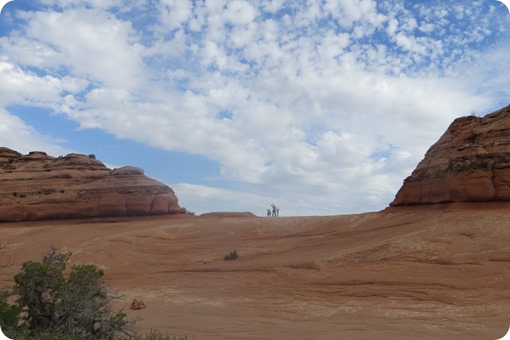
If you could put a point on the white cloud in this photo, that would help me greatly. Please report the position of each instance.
(349, 11)
(272, 6)
(174, 13)
(239, 12)
(93, 45)
(25, 87)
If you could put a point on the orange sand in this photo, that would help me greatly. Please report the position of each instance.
(435, 272)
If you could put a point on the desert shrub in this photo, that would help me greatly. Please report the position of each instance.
(9, 319)
(231, 256)
(54, 307)
(8, 313)
(92, 156)
(155, 335)
(50, 306)
(189, 212)
(52, 336)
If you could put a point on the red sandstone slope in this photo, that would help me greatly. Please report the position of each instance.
(469, 163)
(430, 272)
(37, 186)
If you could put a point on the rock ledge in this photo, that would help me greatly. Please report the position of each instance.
(469, 163)
(39, 187)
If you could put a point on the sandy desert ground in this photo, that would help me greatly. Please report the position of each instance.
(433, 272)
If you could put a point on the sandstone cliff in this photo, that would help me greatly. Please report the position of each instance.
(469, 163)
(37, 186)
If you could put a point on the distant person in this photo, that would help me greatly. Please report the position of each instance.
(277, 211)
(274, 209)
(268, 212)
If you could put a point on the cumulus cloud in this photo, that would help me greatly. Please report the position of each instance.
(326, 105)
(21, 86)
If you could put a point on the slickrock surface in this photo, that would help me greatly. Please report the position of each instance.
(469, 163)
(37, 186)
(438, 272)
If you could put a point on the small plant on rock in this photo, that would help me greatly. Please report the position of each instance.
(155, 335)
(231, 256)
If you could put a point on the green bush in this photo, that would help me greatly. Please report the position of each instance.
(54, 307)
(50, 306)
(9, 317)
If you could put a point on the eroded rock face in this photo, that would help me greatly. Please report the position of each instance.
(37, 186)
(469, 163)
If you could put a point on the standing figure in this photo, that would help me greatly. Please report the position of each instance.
(268, 212)
(274, 209)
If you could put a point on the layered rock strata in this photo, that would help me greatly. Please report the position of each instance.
(469, 163)
(38, 186)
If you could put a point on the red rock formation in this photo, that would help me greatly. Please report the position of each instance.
(37, 186)
(7, 155)
(469, 163)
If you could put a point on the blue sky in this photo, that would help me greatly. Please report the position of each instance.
(322, 107)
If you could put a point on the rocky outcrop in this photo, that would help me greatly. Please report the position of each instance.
(37, 186)
(469, 163)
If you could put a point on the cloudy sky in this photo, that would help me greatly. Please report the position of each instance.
(322, 107)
